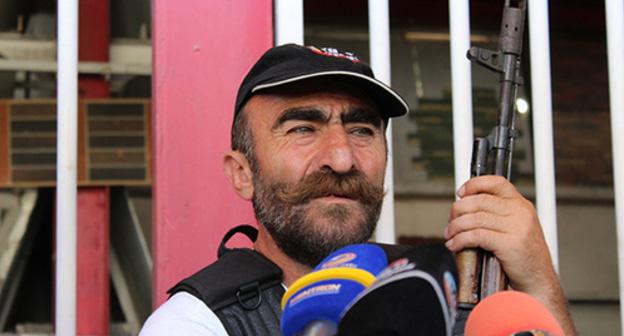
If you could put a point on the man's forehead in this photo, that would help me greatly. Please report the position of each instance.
(322, 95)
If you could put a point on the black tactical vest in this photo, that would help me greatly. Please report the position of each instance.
(244, 289)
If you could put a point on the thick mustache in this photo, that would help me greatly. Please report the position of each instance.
(351, 185)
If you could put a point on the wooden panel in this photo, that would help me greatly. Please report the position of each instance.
(37, 158)
(82, 139)
(120, 157)
(34, 125)
(117, 140)
(131, 173)
(33, 109)
(34, 174)
(32, 134)
(116, 125)
(110, 109)
(113, 142)
(149, 158)
(4, 144)
(39, 141)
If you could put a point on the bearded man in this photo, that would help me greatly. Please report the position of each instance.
(309, 150)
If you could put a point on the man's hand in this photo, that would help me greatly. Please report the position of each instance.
(493, 215)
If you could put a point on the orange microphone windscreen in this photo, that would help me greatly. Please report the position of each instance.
(506, 313)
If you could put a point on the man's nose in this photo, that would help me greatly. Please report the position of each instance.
(337, 152)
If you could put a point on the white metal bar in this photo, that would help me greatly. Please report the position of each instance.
(459, 18)
(288, 21)
(545, 192)
(67, 108)
(379, 46)
(615, 45)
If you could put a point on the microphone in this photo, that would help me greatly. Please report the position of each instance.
(511, 313)
(414, 295)
(312, 304)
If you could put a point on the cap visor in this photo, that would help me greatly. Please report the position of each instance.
(390, 103)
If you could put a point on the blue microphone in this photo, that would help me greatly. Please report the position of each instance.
(312, 305)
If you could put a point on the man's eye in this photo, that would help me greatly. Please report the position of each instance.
(362, 131)
(301, 129)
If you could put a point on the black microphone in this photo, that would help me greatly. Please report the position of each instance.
(415, 295)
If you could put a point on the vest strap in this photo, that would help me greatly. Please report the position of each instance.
(248, 230)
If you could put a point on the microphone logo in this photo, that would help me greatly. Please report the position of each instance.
(326, 289)
(340, 260)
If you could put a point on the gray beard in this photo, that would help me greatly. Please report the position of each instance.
(305, 238)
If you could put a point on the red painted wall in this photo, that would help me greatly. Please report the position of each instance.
(92, 281)
(93, 290)
(202, 49)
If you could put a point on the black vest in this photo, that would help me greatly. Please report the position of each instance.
(244, 289)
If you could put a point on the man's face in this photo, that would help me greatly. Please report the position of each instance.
(318, 176)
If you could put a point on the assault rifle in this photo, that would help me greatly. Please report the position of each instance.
(480, 273)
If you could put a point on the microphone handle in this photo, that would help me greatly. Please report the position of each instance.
(320, 328)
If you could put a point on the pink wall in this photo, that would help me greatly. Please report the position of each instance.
(202, 49)
(93, 292)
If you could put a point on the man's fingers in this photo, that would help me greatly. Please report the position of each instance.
(489, 184)
(486, 239)
(480, 202)
(471, 221)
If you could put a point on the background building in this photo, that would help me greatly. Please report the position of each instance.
(120, 151)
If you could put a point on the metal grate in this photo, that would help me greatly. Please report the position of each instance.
(117, 137)
(113, 142)
(32, 141)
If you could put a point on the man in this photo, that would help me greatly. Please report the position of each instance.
(309, 150)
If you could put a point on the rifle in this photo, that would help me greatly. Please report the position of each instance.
(480, 273)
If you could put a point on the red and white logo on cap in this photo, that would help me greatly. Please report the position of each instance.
(333, 52)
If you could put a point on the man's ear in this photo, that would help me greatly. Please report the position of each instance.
(238, 171)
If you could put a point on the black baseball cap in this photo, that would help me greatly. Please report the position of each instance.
(293, 63)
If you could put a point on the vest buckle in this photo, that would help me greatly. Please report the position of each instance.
(243, 290)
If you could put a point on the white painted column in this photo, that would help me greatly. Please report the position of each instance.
(66, 189)
(288, 21)
(379, 46)
(461, 75)
(545, 191)
(615, 45)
